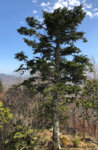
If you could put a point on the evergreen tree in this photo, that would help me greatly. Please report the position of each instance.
(89, 101)
(52, 43)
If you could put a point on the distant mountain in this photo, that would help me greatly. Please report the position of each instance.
(9, 80)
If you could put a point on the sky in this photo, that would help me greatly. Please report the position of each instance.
(12, 17)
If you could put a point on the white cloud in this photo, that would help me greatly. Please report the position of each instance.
(43, 4)
(96, 14)
(34, 11)
(95, 9)
(89, 14)
(87, 7)
(46, 9)
(83, 1)
(60, 3)
(92, 15)
(74, 2)
(34, 1)
(22, 23)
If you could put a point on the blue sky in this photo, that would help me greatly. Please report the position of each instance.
(13, 14)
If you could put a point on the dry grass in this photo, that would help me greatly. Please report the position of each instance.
(66, 142)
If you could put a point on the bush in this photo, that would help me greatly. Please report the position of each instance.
(76, 140)
(5, 115)
(22, 138)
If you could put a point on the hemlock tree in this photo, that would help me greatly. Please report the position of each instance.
(51, 67)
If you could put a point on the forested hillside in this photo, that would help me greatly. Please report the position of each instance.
(78, 121)
(9, 80)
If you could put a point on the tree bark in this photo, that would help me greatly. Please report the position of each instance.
(56, 142)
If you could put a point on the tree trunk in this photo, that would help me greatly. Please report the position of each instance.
(56, 142)
(74, 118)
(95, 127)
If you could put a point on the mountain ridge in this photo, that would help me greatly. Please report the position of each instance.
(9, 80)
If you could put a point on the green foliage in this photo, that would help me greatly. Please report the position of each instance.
(89, 97)
(90, 93)
(5, 115)
(51, 50)
(22, 138)
(76, 140)
(47, 112)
